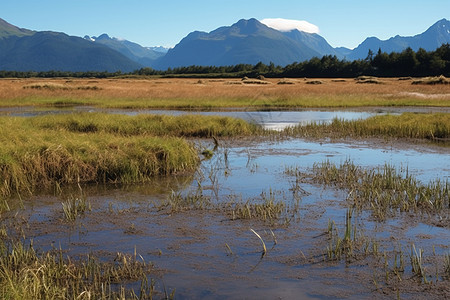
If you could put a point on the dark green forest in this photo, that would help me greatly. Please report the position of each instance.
(419, 63)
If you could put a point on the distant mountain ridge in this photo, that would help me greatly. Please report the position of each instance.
(431, 39)
(245, 42)
(142, 55)
(26, 50)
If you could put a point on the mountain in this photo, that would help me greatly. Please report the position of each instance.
(7, 30)
(26, 50)
(135, 52)
(315, 42)
(245, 42)
(159, 49)
(431, 39)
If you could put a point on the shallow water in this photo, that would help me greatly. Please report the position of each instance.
(273, 120)
(190, 245)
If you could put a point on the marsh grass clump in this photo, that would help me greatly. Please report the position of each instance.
(269, 208)
(89, 148)
(254, 81)
(431, 126)
(432, 80)
(417, 263)
(74, 207)
(47, 86)
(369, 81)
(384, 190)
(365, 77)
(28, 274)
(177, 202)
(352, 244)
(57, 86)
(314, 82)
(148, 125)
(286, 81)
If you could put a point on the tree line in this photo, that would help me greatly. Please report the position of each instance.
(418, 63)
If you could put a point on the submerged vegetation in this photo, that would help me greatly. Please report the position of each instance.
(384, 191)
(27, 274)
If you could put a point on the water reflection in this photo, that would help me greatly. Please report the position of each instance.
(275, 120)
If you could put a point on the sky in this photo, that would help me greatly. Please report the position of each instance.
(344, 23)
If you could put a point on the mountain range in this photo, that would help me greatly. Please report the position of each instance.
(142, 55)
(245, 42)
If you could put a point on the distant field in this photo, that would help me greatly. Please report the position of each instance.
(221, 93)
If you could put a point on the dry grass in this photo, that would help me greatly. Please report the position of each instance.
(187, 93)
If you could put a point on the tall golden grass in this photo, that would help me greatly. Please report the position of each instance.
(188, 93)
(37, 153)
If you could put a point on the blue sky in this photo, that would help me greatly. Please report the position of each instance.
(165, 22)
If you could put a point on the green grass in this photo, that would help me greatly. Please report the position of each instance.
(432, 126)
(37, 153)
(147, 125)
(384, 191)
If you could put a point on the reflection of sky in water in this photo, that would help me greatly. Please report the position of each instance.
(276, 120)
(260, 167)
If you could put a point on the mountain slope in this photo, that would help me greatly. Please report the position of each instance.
(313, 41)
(133, 51)
(45, 51)
(247, 41)
(7, 30)
(431, 39)
(26, 50)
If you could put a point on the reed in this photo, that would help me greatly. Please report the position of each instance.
(25, 274)
(264, 251)
(447, 266)
(74, 207)
(384, 190)
(352, 244)
(177, 202)
(268, 208)
(417, 263)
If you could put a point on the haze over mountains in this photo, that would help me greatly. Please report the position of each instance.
(245, 42)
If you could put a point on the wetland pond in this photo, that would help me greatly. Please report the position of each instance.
(195, 231)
